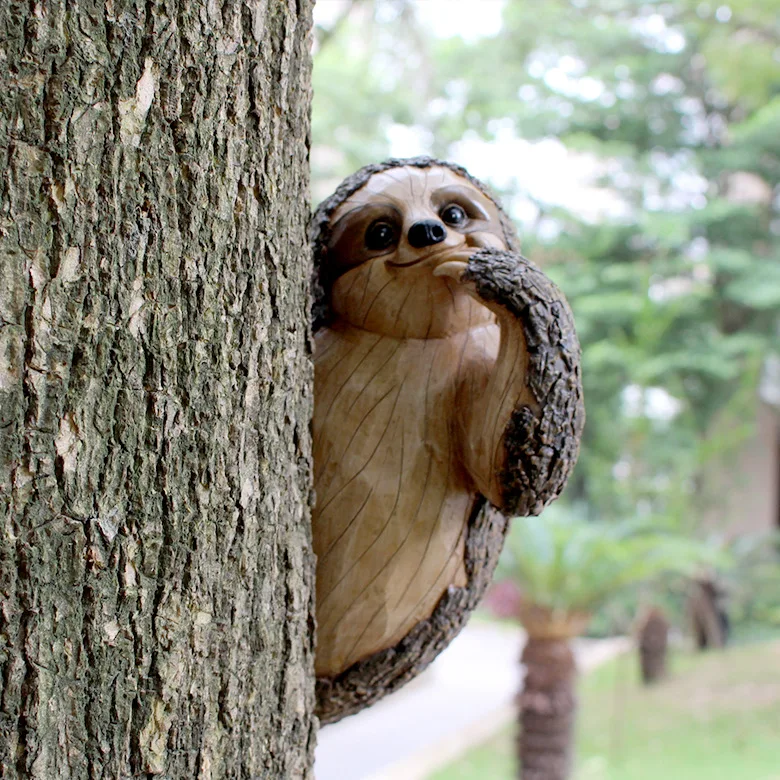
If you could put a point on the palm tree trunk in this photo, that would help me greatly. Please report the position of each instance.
(653, 646)
(547, 710)
(709, 618)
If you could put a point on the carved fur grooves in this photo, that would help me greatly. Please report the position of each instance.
(365, 682)
(542, 444)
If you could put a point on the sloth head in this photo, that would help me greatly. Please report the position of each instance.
(379, 240)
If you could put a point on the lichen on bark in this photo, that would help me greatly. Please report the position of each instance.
(155, 561)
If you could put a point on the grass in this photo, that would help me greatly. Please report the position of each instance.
(716, 717)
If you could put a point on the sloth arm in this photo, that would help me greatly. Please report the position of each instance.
(520, 418)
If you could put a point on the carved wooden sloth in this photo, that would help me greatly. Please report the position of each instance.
(446, 373)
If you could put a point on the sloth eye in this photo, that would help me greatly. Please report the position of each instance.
(453, 214)
(380, 235)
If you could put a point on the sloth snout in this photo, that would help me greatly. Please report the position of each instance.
(426, 233)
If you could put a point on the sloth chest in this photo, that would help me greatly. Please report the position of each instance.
(393, 500)
(385, 422)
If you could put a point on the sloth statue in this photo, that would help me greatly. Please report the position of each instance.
(447, 398)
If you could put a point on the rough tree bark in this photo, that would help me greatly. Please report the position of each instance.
(155, 565)
(548, 704)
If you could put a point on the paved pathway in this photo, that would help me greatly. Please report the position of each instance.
(459, 701)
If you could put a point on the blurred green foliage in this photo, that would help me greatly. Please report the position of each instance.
(565, 564)
(675, 104)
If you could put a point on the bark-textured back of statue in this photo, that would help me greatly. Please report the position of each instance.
(447, 396)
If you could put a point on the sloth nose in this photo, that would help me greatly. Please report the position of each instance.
(426, 233)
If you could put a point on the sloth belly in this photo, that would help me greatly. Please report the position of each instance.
(393, 499)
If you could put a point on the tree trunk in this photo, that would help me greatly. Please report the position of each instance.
(155, 565)
(708, 616)
(653, 646)
(547, 710)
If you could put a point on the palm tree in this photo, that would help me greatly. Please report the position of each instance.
(566, 568)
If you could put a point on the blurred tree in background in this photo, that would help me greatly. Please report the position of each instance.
(567, 569)
(669, 252)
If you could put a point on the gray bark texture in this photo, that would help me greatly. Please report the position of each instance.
(156, 574)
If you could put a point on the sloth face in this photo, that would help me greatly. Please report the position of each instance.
(388, 238)
(407, 215)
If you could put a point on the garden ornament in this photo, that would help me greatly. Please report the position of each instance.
(447, 398)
